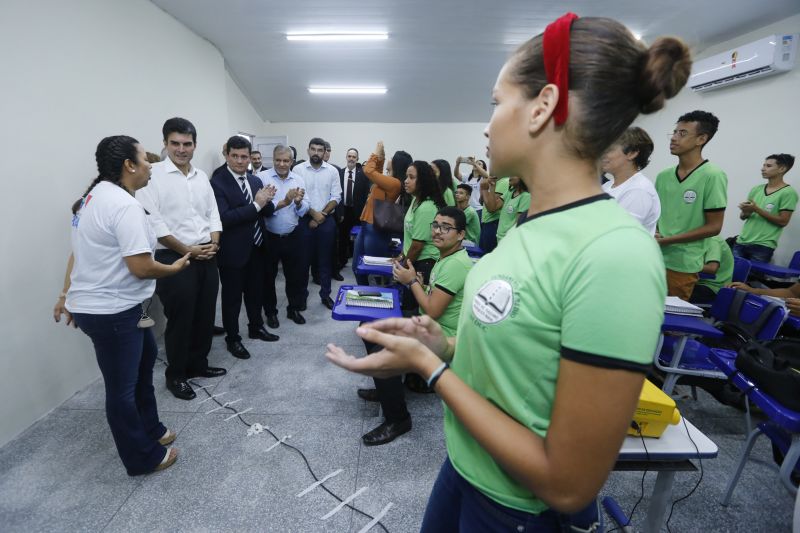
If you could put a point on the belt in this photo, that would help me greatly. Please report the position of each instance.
(281, 235)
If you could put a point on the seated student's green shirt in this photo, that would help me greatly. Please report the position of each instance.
(683, 207)
(417, 227)
(448, 275)
(759, 230)
(449, 197)
(512, 207)
(598, 301)
(500, 188)
(718, 251)
(473, 225)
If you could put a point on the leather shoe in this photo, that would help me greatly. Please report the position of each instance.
(263, 335)
(327, 302)
(238, 350)
(386, 432)
(272, 321)
(337, 276)
(219, 331)
(209, 372)
(371, 395)
(295, 316)
(181, 389)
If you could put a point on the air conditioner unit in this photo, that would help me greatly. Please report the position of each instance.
(771, 55)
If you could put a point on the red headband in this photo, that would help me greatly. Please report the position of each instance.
(555, 48)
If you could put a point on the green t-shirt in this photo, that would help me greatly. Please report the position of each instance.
(512, 207)
(473, 225)
(449, 274)
(597, 301)
(500, 188)
(759, 230)
(683, 207)
(449, 197)
(417, 227)
(718, 251)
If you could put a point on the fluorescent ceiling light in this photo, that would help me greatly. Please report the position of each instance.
(338, 36)
(347, 90)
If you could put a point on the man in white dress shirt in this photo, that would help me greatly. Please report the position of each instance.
(323, 191)
(184, 215)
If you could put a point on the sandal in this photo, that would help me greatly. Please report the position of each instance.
(168, 461)
(167, 438)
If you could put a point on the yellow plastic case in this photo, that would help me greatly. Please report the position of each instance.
(654, 413)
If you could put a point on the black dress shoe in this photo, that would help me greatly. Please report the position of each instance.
(181, 389)
(295, 316)
(327, 302)
(263, 335)
(238, 350)
(337, 276)
(219, 331)
(386, 432)
(302, 307)
(209, 372)
(272, 321)
(371, 395)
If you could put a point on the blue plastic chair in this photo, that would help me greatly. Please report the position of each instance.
(741, 269)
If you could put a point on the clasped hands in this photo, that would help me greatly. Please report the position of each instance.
(747, 208)
(265, 195)
(404, 274)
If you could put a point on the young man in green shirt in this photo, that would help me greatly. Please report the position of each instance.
(492, 190)
(767, 211)
(718, 261)
(463, 194)
(693, 196)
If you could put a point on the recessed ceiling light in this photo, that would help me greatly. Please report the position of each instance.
(337, 36)
(347, 90)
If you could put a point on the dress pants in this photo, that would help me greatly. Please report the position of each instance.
(247, 280)
(190, 303)
(289, 250)
(391, 394)
(344, 246)
(126, 355)
(319, 244)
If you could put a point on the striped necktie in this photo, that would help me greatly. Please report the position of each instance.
(257, 236)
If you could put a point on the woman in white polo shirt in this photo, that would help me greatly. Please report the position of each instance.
(109, 274)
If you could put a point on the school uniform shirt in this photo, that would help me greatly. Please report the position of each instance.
(759, 230)
(473, 225)
(533, 301)
(683, 207)
(449, 275)
(500, 189)
(417, 227)
(637, 196)
(110, 226)
(718, 251)
(512, 207)
(449, 197)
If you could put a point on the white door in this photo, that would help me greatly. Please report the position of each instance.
(265, 145)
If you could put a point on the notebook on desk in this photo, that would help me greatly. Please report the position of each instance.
(377, 261)
(676, 306)
(378, 299)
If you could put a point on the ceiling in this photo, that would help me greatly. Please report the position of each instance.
(441, 58)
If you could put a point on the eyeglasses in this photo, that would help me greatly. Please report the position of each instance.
(442, 228)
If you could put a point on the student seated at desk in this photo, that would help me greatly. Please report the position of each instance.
(718, 261)
(791, 295)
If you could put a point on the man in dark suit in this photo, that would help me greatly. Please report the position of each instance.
(355, 189)
(257, 162)
(243, 204)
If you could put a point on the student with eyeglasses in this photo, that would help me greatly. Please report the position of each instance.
(553, 340)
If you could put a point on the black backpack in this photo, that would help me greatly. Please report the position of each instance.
(774, 367)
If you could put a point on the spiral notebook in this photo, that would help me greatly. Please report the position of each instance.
(676, 306)
(379, 300)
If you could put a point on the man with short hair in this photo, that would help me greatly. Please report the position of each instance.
(767, 210)
(693, 196)
(355, 189)
(463, 195)
(327, 156)
(284, 238)
(243, 205)
(324, 192)
(256, 162)
(183, 214)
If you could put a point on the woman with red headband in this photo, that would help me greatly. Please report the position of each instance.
(556, 333)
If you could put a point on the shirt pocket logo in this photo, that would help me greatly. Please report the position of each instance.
(493, 302)
(689, 197)
(769, 207)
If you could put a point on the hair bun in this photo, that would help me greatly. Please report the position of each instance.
(665, 69)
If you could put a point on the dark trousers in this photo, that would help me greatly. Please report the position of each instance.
(126, 355)
(190, 303)
(702, 295)
(247, 281)
(344, 245)
(488, 240)
(408, 303)
(370, 241)
(319, 246)
(289, 250)
(391, 394)
(753, 252)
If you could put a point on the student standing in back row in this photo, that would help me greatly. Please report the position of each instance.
(693, 196)
(767, 211)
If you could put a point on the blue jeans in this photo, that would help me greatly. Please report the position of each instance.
(320, 241)
(126, 355)
(455, 505)
(369, 242)
(488, 240)
(753, 252)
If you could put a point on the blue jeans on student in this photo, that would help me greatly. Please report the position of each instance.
(370, 241)
(126, 355)
(456, 506)
(753, 252)
(488, 240)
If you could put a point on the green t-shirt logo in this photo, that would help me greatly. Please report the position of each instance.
(494, 301)
(689, 196)
(769, 207)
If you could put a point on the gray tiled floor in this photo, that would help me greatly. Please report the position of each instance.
(63, 473)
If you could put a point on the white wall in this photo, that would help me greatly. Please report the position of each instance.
(75, 72)
(756, 119)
